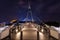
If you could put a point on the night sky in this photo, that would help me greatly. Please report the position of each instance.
(47, 10)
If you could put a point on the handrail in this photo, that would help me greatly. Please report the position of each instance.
(4, 29)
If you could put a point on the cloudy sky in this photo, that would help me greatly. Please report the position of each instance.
(47, 10)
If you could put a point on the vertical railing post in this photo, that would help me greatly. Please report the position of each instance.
(49, 33)
(21, 36)
(10, 31)
(0, 36)
(37, 35)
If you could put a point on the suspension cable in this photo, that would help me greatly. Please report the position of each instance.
(29, 12)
